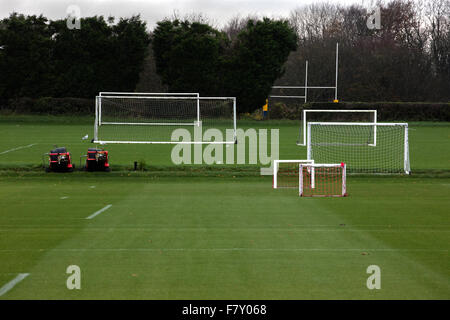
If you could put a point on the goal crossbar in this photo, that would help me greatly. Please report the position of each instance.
(112, 93)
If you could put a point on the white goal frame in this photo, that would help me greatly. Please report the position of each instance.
(406, 160)
(107, 94)
(276, 164)
(154, 96)
(311, 168)
(305, 121)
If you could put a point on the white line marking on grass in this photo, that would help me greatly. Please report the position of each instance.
(99, 211)
(12, 283)
(18, 148)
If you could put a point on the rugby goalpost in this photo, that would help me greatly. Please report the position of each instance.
(151, 118)
(306, 87)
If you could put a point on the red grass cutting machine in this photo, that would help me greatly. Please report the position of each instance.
(59, 160)
(97, 160)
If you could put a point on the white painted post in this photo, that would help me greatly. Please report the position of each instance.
(306, 81)
(337, 71)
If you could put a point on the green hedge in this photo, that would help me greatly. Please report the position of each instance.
(386, 111)
(49, 105)
(393, 111)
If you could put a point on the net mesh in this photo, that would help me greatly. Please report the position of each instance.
(333, 116)
(358, 148)
(322, 181)
(154, 119)
(286, 173)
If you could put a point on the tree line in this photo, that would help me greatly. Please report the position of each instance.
(44, 58)
(406, 59)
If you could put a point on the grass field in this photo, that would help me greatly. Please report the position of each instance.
(216, 234)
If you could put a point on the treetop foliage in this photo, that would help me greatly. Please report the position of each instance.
(195, 57)
(40, 57)
(406, 59)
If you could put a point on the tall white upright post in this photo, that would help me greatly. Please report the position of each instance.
(337, 71)
(306, 81)
(198, 112)
(99, 111)
(96, 119)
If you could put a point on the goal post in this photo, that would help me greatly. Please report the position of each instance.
(322, 180)
(153, 118)
(348, 142)
(336, 115)
(285, 173)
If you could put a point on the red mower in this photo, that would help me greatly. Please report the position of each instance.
(59, 160)
(97, 160)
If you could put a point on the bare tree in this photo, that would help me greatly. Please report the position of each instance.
(438, 13)
(193, 17)
(314, 20)
(236, 24)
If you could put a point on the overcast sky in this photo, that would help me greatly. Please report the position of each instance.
(154, 10)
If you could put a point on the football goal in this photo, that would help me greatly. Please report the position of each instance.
(322, 180)
(317, 115)
(353, 143)
(285, 173)
(153, 118)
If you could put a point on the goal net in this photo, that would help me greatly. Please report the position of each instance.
(285, 173)
(353, 143)
(322, 180)
(153, 118)
(332, 115)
